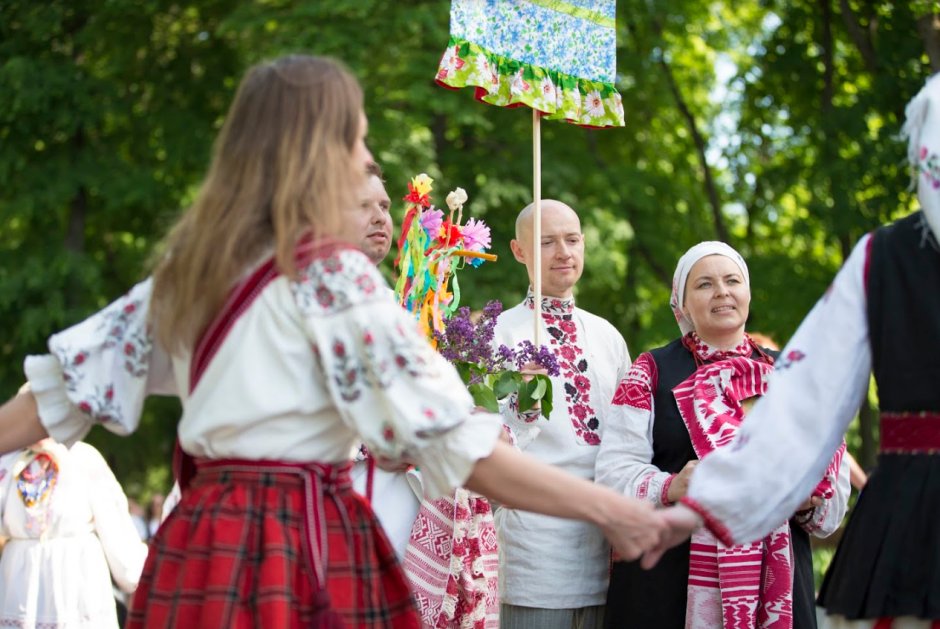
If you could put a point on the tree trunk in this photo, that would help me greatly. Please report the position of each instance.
(861, 40)
(711, 190)
(928, 27)
(75, 230)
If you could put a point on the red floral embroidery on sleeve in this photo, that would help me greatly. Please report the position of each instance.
(121, 328)
(335, 282)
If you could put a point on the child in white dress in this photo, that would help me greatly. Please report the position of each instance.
(69, 532)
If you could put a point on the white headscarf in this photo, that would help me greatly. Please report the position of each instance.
(922, 128)
(686, 262)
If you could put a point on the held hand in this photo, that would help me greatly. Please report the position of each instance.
(532, 369)
(810, 503)
(805, 512)
(391, 466)
(636, 527)
(681, 522)
(528, 371)
(680, 484)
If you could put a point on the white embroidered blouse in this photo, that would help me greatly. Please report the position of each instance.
(625, 458)
(549, 562)
(70, 533)
(813, 394)
(310, 370)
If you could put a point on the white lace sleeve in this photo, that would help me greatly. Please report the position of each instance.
(100, 370)
(782, 451)
(401, 396)
(626, 451)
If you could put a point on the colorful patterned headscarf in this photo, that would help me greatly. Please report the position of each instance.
(686, 262)
(922, 128)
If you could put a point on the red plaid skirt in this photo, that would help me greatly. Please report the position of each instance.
(240, 550)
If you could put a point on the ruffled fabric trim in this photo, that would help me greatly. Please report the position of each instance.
(449, 462)
(506, 82)
(62, 419)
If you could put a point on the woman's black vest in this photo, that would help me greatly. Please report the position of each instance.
(904, 316)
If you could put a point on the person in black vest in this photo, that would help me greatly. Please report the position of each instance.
(881, 315)
(678, 404)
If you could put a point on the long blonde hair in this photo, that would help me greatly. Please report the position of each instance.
(282, 166)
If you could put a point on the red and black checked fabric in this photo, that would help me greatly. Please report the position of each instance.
(233, 555)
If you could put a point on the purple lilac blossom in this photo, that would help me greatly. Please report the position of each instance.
(462, 341)
(527, 353)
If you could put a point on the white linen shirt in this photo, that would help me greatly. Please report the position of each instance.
(548, 562)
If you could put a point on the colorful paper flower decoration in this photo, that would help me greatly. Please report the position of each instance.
(433, 246)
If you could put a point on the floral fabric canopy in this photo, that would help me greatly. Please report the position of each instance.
(553, 56)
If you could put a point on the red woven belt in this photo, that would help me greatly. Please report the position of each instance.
(910, 433)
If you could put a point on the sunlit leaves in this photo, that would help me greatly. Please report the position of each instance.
(108, 110)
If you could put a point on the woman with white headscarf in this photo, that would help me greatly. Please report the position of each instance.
(678, 404)
(881, 315)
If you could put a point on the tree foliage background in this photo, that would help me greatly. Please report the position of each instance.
(769, 124)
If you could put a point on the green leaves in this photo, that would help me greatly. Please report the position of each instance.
(107, 114)
(488, 389)
(538, 390)
(484, 396)
(506, 383)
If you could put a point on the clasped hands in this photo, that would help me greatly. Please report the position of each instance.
(680, 522)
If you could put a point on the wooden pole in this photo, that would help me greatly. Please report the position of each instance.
(537, 222)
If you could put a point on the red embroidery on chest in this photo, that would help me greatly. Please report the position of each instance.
(574, 367)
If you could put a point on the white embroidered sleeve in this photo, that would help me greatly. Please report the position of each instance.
(626, 451)
(120, 541)
(827, 518)
(782, 451)
(100, 370)
(404, 399)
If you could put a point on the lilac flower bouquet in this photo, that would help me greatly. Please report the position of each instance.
(492, 375)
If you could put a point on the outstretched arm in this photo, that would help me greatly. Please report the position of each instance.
(521, 482)
(19, 422)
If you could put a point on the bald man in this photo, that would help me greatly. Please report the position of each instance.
(553, 572)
